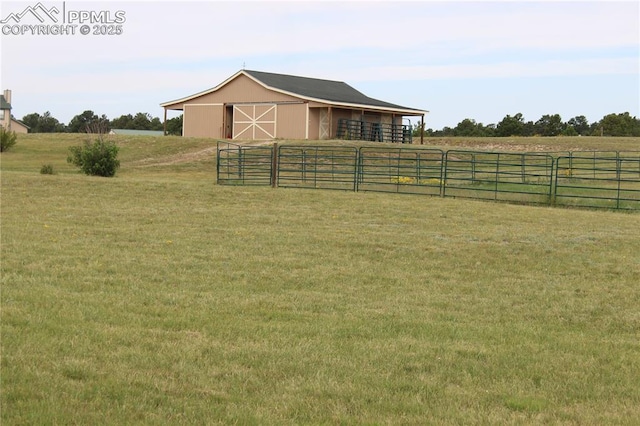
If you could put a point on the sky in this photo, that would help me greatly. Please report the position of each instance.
(476, 59)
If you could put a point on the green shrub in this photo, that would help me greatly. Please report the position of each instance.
(97, 158)
(7, 139)
(46, 169)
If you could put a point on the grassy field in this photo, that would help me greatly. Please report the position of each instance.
(159, 297)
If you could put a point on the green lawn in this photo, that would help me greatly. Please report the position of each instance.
(159, 297)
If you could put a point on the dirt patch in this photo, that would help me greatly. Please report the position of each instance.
(190, 157)
(183, 157)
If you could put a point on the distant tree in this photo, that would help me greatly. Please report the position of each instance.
(468, 127)
(447, 131)
(595, 129)
(32, 121)
(156, 124)
(619, 125)
(579, 124)
(549, 125)
(511, 126)
(174, 126)
(49, 124)
(490, 130)
(44, 123)
(141, 121)
(122, 122)
(81, 122)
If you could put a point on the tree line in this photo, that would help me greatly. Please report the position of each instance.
(548, 125)
(88, 120)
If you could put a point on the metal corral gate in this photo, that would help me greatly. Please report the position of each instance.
(605, 180)
(520, 178)
(320, 167)
(244, 165)
(402, 170)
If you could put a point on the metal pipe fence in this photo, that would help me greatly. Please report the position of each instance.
(241, 165)
(598, 182)
(498, 176)
(320, 167)
(400, 170)
(604, 179)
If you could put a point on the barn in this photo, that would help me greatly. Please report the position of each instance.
(261, 105)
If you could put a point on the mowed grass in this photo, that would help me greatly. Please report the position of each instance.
(158, 297)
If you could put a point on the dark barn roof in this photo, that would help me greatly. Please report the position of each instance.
(328, 90)
(313, 89)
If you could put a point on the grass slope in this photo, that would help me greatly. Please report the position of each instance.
(158, 297)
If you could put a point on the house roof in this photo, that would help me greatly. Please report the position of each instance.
(133, 132)
(3, 103)
(313, 89)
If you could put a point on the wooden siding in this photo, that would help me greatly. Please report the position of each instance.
(314, 123)
(292, 121)
(203, 121)
(242, 90)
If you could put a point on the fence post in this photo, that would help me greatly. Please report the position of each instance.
(495, 193)
(473, 168)
(274, 165)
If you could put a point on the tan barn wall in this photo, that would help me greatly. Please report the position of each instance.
(203, 121)
(314, 123)
(242, 89)
(292, 121)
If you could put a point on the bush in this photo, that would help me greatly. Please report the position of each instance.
(98, 158)
(46, 169)
(7, 139)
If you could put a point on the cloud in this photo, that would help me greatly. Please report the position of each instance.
(193, 31)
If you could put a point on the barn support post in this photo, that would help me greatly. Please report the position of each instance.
(422, 130)
(164, 123)
(331, 124)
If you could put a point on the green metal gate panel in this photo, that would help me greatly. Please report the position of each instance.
(374, 131)
(601, 182)
(242, 165)
(401, 170)
(520, 178)
(320, 167)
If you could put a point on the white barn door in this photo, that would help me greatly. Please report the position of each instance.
(254, 121)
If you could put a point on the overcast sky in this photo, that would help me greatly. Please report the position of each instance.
(479, 60)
